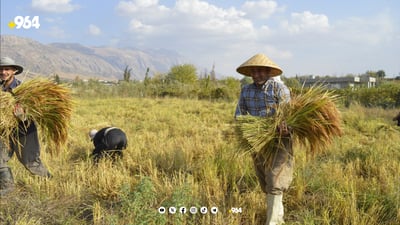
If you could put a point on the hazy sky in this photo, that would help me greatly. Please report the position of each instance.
(320, 37)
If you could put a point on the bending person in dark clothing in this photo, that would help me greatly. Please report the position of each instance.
(108, 141)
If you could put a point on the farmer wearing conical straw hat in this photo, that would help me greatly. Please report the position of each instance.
(25, 142)
(261, 98)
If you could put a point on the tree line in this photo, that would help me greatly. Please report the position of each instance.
(183, 81)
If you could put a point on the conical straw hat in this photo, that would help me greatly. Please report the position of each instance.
(259, 60)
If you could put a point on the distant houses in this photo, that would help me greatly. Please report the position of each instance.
(338, 82)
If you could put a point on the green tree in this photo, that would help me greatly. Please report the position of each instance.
(371, 73)
(146, 77)
(212, 73)
(127, 73)
(57, 79)
(381, 74)
(185, 74)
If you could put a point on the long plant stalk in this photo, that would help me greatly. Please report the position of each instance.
(7, 120)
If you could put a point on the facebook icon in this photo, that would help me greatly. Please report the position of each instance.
(182, 210)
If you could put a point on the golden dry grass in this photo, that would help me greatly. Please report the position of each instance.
(7, 123)
(184, 153)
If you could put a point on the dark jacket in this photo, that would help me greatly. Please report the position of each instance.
(109, 139)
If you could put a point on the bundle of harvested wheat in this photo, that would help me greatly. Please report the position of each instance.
(7, 121)
(46, 103)
(312, 116)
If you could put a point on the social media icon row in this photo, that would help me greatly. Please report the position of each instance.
(183, 210)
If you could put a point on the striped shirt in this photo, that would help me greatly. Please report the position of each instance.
(262, 100)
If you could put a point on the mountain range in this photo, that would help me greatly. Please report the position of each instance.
(72, 60)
